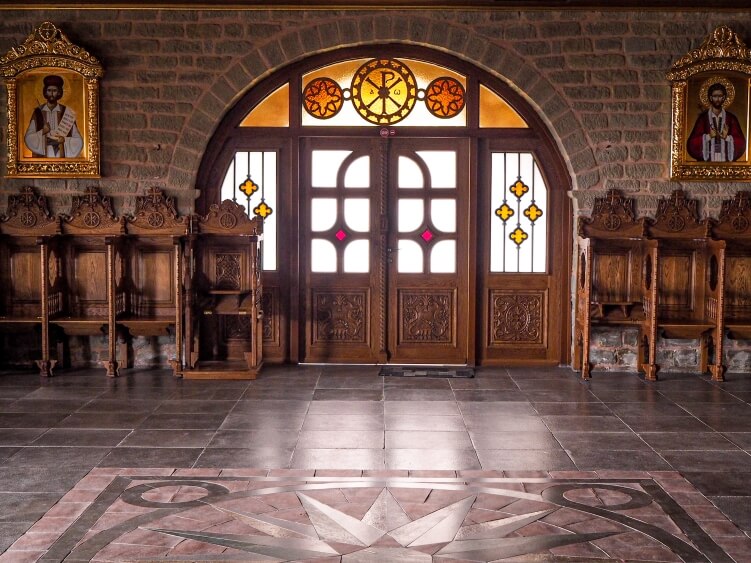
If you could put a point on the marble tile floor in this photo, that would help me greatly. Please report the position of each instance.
(324, 431)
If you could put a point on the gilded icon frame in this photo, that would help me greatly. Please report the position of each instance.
(48, 58)
(698, 151)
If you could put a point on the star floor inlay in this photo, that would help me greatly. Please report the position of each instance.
(253, 515)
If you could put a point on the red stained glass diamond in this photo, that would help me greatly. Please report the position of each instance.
(427, 235)
(340, 234)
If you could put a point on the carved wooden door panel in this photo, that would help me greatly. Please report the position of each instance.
(385, 250)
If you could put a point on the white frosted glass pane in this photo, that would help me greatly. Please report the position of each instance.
(357, 214)
(443, 214)
(322, 256)
(409, 259)
(443, 257)
(322, 214)
(325, 165)
(357, 257)
(410, 175)
(358, 173)
(442, 166)
(411, 213)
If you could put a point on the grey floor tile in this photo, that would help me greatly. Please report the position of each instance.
(419, 459)
(195, 406)
(214, 393)
(45, 405)
(662, 407)
(615, 460)
(687, 441)
(572, 409)
(448, 423)
(347, 407)
(527, 460)
(737, 509)
(399, 394)
(254, 439)
(740, 439)
(271, 407)
(7, 393)
(343, 422)
(348, 395)
(102, 420)
(25, 507)
(30, 420)
(349, 381)
(168, 438)
(416, 439)
(427, 408)
(8, 451)
(47, 456)
(264, 458)
(10, 531)
(82, 437)
(338, 459)
(495, 395)
(504, 423)
(726, 462)
(576, 396)
(263, 421)
(24, 479)
(646, 423)
(145, 406)
(340, 439)
(151, 457)
(279, 393)
(19, 436)
(563, 423)
(436, 383)
(514, 440)
(474, 383)
(601, 441)
(712, 484)
(500, 408)
(183, 421)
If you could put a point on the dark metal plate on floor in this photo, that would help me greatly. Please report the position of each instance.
(424, 371)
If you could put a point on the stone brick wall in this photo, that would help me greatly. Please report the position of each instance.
(596, 78)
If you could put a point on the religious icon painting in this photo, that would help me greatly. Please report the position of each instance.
(710, 92)
(53, 107)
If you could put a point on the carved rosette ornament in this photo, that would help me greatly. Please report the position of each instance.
(735, 217)
(517, 317)
(48, 51)
(678, 216)
(722, 58)
(612, 215)
(156, 211)
(93, 211)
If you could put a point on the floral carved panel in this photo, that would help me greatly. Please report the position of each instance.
(426, 316)
(517, 317)
(339, 316)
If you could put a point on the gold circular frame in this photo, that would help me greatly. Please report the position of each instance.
(384, 91)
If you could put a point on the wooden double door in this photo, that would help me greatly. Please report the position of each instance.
(385, 250)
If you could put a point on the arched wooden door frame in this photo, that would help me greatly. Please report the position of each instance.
(285, 307)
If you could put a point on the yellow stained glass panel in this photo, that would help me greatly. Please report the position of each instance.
(273, 111)
(495, 112)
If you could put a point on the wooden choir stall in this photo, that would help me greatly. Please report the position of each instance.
(90, 273)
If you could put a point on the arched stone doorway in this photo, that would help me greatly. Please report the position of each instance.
(339, 289)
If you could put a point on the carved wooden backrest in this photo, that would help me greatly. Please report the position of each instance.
(612, 217)
(92, 214)
(29, 215)
(735, 218)
(228, 218)
(156, 213)
(678, 217)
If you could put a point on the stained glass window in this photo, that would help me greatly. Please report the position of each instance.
(251, 180)
(518, 233)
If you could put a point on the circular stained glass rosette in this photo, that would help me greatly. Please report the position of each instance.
(445, 97)
(384, 91)
(322, 98)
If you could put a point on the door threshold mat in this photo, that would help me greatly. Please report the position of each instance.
(424, 371)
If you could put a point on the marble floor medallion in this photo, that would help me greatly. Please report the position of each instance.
(237, 515)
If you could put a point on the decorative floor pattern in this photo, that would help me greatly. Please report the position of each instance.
(133, 515)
